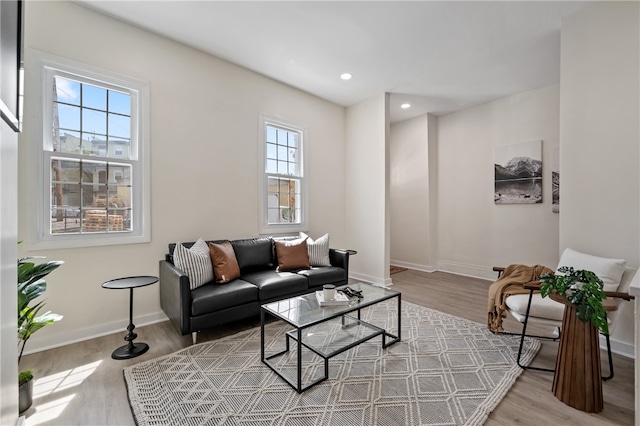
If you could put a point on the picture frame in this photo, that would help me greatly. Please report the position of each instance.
(11, 65)
(555, 179)
(518, 173)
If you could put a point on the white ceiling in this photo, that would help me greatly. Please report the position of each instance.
(440, 56)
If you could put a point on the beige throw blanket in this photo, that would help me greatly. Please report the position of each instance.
(510, 282)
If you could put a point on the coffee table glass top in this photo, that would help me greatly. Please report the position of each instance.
(302, 311)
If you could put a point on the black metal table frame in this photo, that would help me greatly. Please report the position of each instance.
(297, 336)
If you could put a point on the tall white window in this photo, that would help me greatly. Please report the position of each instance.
(283, 186)
(95, 179)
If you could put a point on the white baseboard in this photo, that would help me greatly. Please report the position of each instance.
(62, 339)
(473, 271)
(382, 282)
(617, 347)
(414, 266)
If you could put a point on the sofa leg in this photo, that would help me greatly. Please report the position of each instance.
(194, 337)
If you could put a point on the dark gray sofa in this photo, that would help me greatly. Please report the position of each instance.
(213, 304)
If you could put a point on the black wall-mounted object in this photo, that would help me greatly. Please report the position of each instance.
(11, 56)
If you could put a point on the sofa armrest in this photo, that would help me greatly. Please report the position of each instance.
(175, 296)
(340, 259)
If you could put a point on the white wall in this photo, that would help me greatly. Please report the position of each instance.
(367, 186)
(8, 274)
(474, 234)
(411, 240)
(204, 160)
(600, 137)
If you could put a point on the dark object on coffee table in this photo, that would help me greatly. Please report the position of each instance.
(349, 292)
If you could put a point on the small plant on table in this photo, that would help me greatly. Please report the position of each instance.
(581, 288)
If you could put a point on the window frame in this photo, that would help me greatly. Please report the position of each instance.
(281, 228)
(49, 66)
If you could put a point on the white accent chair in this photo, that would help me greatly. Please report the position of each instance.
(532, 308)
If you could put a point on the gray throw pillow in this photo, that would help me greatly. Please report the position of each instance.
(318, 250)
(194, 262)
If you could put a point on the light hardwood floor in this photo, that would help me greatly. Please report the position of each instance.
(80, 384)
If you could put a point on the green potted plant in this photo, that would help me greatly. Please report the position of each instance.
(30, 286)
(581, 288)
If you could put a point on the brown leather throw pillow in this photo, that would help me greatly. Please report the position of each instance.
(225, 264)
(292, 255)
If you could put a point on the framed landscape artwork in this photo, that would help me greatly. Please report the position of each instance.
(555, 179)
(518, 173)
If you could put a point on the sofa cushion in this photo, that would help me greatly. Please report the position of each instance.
(225, 265)
(277, 285)
(318, 250)
(254, 253)
(324, 275)
(608, 270)
(212, 297)
(195, 262)
(292, 255)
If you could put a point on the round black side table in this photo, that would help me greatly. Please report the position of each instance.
(130, 350)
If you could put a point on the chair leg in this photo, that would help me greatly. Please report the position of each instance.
(524, 332)
(606, 336)
(194, 337)
(552, 370)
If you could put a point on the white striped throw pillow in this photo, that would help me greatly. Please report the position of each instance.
(194, 262)
(318, 250)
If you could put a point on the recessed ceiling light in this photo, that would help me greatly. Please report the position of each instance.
(405, 106)
(346, 76)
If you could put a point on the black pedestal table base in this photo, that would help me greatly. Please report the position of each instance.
(131, 349)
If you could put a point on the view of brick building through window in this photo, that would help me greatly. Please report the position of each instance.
(90, 190)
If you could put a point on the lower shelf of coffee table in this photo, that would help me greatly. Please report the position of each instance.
(333, 331)
(337, 335)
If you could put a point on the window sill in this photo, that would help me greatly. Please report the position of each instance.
(283, 229)
(77, 241)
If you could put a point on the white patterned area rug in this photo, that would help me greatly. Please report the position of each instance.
(445, 371)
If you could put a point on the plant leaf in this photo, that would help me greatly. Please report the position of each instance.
(30, 292)
(31, 285)
(29, 272)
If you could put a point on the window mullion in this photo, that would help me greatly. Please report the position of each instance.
(107, 125)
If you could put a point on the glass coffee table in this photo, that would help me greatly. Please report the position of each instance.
(325, 330)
